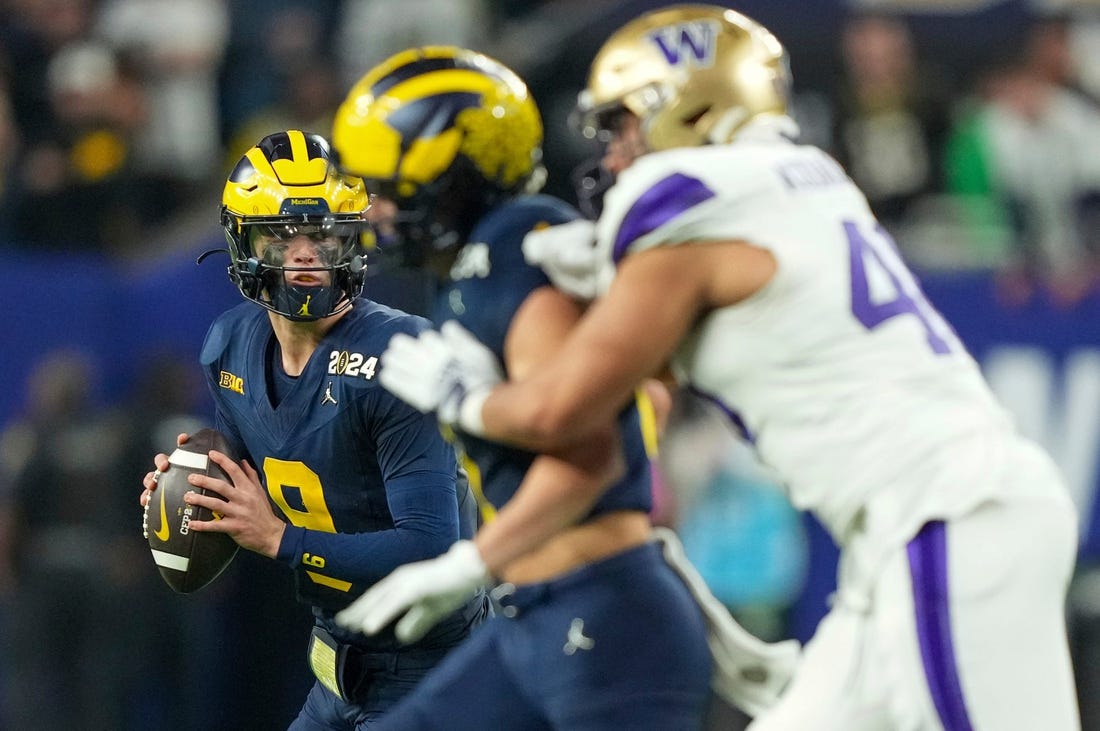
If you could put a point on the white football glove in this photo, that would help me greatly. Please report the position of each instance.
(425, 592)
(437, 371)
(568, 255)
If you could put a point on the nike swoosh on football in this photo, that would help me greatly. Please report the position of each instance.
(162, 532)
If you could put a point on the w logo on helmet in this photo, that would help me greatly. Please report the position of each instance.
(689, 43)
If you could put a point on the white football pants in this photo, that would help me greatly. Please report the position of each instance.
(961, 629)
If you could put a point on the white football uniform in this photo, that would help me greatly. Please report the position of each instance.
(958, 536)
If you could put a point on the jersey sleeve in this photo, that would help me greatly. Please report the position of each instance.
(419, 474)
(217, 337)
(417, 468)
(676, 196)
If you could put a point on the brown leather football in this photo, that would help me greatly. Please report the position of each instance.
(188, 560)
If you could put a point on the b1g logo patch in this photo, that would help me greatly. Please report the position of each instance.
(233, 383)
(345, 363)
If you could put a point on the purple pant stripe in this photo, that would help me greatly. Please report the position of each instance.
(928, 568)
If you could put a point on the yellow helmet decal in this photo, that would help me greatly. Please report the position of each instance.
(408, 119)
(290, 167)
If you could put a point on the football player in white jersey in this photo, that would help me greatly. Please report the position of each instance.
(753, 267)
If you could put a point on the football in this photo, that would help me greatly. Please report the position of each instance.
(188, 560)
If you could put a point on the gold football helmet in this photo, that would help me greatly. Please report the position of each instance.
(287, 187)
(442, 131)
(693, 74)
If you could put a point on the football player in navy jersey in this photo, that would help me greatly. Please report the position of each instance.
(340, 480)
(595, 631)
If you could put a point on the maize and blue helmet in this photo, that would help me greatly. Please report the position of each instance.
(285, 187)
(444, 133)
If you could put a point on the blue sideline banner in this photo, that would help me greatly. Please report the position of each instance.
(1043, 361)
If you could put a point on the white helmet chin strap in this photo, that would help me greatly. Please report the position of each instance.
(763, 128)
(725, 128)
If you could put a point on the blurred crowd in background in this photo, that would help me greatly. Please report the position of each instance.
(974, 128)
(971, 137)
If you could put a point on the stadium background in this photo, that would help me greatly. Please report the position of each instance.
(128, 319)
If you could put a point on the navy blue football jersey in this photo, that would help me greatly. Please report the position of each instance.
(365, 482)
(489, 280)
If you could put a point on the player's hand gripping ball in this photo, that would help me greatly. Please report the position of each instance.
(188, 560)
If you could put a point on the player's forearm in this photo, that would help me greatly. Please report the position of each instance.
(514, 414)
(360, 558)
(556, 493)
(543, 416)
(571, 396)
(524, 526)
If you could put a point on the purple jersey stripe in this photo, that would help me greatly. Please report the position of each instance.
(928, 568)
(731, 414)
(666, 200)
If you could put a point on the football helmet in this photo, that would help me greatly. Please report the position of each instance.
(693, 74)
(285, 188)
(444, 132)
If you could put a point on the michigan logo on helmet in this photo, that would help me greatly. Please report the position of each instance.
(295, 226)
(693, 75)
(444, 132)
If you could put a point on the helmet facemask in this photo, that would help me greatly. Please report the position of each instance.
(301, 293)
(591, 181)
